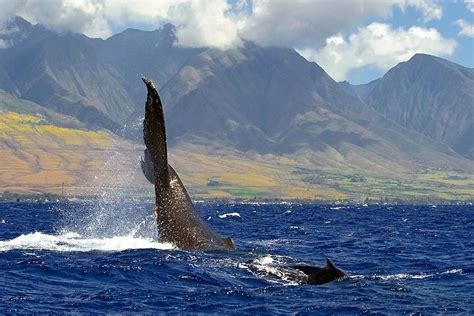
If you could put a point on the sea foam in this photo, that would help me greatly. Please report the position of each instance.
(73, 242)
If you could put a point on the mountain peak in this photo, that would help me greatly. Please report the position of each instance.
(422, 55)
(14, 30)
(434, 66)
(19, 23)
(164, 34)
(432, 96)
(426, 59)
(168, 27)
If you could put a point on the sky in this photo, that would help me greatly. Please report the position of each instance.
(354, 40)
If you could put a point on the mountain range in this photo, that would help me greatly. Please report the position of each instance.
(244, 100)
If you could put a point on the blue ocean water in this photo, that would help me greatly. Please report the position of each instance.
(99, 257)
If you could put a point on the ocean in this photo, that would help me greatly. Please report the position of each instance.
(91, 257)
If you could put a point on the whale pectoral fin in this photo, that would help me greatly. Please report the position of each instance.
(147, 167)
(229, 242)
(154, 135)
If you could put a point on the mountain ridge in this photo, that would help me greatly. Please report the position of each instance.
(247, 101)
(431, 96)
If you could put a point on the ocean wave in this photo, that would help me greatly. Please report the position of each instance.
(406, 276)
(73, 242)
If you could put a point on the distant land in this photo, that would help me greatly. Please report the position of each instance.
(249, 122)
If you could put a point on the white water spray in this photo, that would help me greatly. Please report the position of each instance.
(113, 222)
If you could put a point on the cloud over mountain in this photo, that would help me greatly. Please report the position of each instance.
(215, 23)
(315, 28)
(378, 45)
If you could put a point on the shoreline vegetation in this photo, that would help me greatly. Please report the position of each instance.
(9, 197)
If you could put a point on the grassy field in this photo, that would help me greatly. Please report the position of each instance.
(296, 177)
(37, 157)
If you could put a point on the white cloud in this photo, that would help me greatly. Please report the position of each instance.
(86, 16)
(290, 23)
(3, 44)
(429, 9)
(206, 23)
(466, 28)
(301, 23)
(377, 45)
(469, 5)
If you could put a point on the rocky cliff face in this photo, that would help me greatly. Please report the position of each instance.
(432, 96)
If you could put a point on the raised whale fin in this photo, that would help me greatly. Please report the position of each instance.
(154, 135)
(175, 215)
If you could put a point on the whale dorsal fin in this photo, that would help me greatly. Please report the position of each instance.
(154, 135)
(229, 242)
(330, 265)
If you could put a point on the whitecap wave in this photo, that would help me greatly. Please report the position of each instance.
(264, 260)
(401, 276)
(267, 203)
(73, 242)
(453, 271)
(234, 214)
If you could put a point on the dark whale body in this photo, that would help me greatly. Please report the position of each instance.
(178, 223)
(319, 275)
(302, 274)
